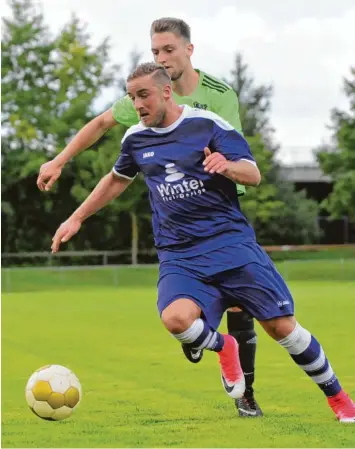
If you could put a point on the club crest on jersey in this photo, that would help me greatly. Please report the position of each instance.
(174, 190)
(199, 105)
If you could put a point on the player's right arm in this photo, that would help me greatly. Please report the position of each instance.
(121, 112)
(110, 187)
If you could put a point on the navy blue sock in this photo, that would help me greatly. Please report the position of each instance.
(309, 356)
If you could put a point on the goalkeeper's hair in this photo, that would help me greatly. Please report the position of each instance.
(158, 72)
(171, 25)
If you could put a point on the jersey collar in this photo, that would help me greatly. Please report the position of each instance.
(174, 125)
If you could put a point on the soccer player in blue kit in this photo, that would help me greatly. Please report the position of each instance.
(172, 47)
(208, 254)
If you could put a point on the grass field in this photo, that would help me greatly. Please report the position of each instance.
(139, 391)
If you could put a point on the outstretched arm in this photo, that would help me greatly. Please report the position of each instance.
(122, 112)
(110, 187)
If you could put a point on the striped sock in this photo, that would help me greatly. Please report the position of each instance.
(200, 336)
(309, 356)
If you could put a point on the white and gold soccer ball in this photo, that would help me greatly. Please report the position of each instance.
(53, 392)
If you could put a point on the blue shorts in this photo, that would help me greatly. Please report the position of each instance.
(217, 280)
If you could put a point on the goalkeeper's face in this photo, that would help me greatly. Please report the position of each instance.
(150, 99)
(173, 52)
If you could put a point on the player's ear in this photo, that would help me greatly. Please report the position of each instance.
(167, 91)
(190, 49)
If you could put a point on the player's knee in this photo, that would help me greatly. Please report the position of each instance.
(180, 315)
(175, 322)
(279, 328)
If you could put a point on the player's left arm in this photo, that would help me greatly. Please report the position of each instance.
(244, 171)
(231, 157)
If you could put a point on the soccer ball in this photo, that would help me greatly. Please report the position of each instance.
(52, 392)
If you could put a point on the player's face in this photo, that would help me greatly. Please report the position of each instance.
(149, 99)
(173, 52)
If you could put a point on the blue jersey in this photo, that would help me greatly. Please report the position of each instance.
(193, 212)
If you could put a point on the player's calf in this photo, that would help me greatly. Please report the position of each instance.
(241, 326)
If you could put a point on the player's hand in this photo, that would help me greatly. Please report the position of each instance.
(215, 162)
(65, 232)
(48, 174)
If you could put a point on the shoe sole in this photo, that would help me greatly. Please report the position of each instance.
(247, 414)
(347, 420)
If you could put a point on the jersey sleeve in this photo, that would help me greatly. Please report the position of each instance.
(125, 165)
(230, 143)
(227, 107)
(123, 112)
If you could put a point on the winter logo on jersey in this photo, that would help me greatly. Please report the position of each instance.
(173, 190)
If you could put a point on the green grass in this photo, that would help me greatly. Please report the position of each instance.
(329, 253)
(32, 279)
(139, 391)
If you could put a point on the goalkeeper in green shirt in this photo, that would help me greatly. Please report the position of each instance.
(172, 48)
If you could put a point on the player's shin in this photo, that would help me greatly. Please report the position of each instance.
(309, 356)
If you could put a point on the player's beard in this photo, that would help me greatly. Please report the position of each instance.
(158, 120)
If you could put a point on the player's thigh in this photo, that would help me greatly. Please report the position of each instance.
(176, 286)
(258, 289)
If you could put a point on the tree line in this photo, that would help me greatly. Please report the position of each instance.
(49, 87)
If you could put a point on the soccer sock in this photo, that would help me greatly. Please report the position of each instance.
(309, 356)
(241, 327)
(200, 336)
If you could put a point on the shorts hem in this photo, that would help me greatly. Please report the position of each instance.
(180, 296)
(273, 316)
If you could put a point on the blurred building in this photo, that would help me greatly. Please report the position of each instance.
(309, 177)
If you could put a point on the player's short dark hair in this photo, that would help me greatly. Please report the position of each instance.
(171, 25)
(158, 72)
